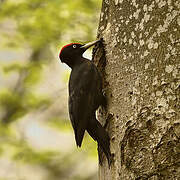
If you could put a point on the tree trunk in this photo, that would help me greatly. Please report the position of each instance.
(139, 64)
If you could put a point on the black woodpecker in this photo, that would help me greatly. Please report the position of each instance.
(85, 95)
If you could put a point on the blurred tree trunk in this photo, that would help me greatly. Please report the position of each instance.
(140, 69)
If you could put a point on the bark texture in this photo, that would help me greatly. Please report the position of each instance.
(140, 65)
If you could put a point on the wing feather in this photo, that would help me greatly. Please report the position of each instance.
(82, 94)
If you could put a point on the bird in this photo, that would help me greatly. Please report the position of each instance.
(85, 95)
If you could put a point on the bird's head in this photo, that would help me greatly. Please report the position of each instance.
(70, 53)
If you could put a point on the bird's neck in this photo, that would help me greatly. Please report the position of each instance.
(77, 62)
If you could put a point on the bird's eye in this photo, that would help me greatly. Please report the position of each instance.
(74, 46)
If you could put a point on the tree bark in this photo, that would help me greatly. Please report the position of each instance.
(140, 67)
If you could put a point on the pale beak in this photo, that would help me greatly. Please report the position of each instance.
(88, 45)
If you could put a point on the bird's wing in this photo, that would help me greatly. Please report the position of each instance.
(78, 110)
(81, 102)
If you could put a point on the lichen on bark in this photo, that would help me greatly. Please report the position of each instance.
(140, 67)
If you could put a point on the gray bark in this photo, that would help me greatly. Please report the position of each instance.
(140, 68)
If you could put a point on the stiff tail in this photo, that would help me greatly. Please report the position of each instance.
(98, 133)
(79, 137)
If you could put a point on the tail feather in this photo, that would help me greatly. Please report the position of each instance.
(79, 134)
(98, 133)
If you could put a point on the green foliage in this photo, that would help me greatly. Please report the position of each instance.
(33, 71)
(90, 146)
(14, 67)
(5, 131)
(17, 105)
(35, 101)
(60, 124)
(12, 104)
(27, 155)
(39, 28)
(41, 22)
(65, 77)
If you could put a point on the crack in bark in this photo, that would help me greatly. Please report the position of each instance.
(157, 171)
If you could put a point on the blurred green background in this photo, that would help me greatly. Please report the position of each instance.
(36, 138)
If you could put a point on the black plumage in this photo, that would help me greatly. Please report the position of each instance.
(85, 96)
